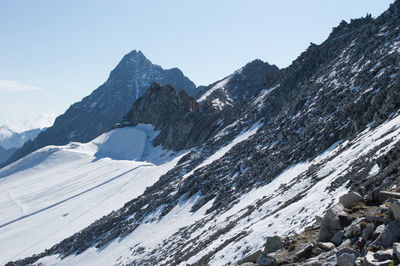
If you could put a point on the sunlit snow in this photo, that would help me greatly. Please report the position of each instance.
(58, 190)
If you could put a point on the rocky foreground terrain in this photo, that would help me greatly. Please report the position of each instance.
(359, 230)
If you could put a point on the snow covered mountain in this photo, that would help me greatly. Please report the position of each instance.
(10, 141)
(264, 166)
(107, 105)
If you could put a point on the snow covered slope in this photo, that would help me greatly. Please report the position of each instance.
(58, 190)
(286, 205)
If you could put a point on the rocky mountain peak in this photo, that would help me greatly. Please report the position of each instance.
(176, 115)
(160, 102)
(131, 63)
(135, 56)
(168, 95)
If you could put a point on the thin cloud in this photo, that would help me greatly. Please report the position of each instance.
(12, 85)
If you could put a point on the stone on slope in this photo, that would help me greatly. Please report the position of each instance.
(346, 259)
(337, 238)
(368, 231)
(350, 198)
(371, 260)
(273, 244)
(347, 251)
(378, 231)
(326, 245)
(306, 252)
(331, 222)
(396, 250)
(390, 235)
(395, 208)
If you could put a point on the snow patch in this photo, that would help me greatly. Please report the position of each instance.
(219, 85)
(244, 135)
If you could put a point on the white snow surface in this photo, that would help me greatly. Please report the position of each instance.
(272, 217)
(56, 191)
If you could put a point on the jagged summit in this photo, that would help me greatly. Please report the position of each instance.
(182, 122)
(161, 99)
(129, 63)
(239, 86)
(108, 104)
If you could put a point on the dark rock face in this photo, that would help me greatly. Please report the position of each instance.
(239, 86)
(182, 122)
(390, 235)
(107, 105)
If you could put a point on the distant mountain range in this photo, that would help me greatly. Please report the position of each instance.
(10, 141)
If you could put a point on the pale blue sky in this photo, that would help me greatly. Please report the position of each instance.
(53, 52)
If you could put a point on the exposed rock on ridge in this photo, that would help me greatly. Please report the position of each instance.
(239, 86)
(182, 122)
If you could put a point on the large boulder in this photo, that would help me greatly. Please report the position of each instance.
(378, 231)
(251, 258)
(346, 259)
(337, 238)
(396, 250)
(348, 251)
(350, 198)
(395, 208)
(306, 252)
(383, 255)
(390, 234)
(368, 231)
(326, 245)
(273, 244)
(374, 259)
(331, 223)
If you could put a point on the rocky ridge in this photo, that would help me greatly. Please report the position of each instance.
(183, 123)
(239, 86)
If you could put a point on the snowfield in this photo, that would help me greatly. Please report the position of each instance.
(58, 190)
